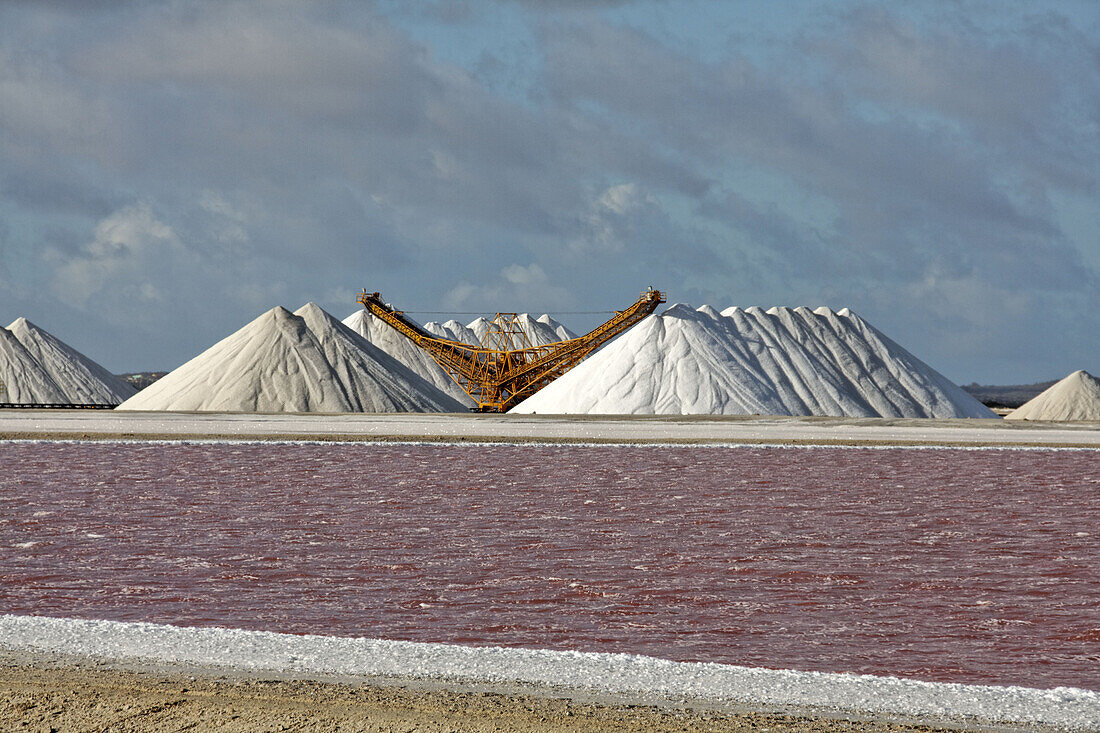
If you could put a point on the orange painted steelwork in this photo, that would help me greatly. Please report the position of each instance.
(498, 376)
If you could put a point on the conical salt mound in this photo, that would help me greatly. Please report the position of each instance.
(279, 363)
(452, 330)
(368, 371)
(81, 380)
(539, 331)
(739, 362)
(1077, 397)
(385, 338)
(23, 379)
(563, 333)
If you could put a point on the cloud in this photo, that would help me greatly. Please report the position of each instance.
(514, 284)
(951, 71)
(612, 219)
(284, 152)
(130, 246)
(229, 225)
(1027, 99)
(6, 281)
(904, 191)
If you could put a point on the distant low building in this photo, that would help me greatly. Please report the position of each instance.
(141, 380)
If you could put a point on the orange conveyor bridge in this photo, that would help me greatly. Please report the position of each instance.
(498, 376)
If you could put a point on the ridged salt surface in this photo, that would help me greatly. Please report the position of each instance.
(540, 331)
(305, 361)
(784, 361)
(80, 379)
(1077, 397)
(24, 378)
(37, 367)
(407, 353)
(617, 674)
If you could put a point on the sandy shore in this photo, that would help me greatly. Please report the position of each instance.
(46, 694)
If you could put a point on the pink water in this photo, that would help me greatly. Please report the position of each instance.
(967, 566)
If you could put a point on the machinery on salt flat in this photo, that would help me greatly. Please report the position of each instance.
(498, 376)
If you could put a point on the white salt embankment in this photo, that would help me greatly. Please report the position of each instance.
(784, 361)
(37, 367)
(628, 675)
(1077, 397)
(293, 362)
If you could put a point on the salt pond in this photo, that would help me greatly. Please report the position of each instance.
(945, 565)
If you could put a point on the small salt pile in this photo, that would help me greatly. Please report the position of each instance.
(539, 331)
(1077, 397)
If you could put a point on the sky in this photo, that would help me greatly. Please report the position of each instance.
(170, 170)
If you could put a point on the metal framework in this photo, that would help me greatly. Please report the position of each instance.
(498, 376)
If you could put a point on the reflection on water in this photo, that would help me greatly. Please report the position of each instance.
(949, 565)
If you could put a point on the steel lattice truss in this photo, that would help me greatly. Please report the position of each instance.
(496, 377)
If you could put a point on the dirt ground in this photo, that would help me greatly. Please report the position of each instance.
(37, 697)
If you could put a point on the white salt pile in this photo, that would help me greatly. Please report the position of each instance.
(454, 331)
(740, 362)
(388, 340)
(1077, 397)
(541, 331)
(37, 367)
(81, 380)
(293, 362)
(630, 676)
(23, 378)
(563, 333)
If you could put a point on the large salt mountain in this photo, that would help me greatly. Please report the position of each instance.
(81, 380)
(540, 331)
(37, 367)
(785, 361)
(24, 380)
(293, 362)
(1077, 397)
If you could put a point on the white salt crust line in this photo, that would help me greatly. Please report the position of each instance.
(536, 444)
(1063, 707)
